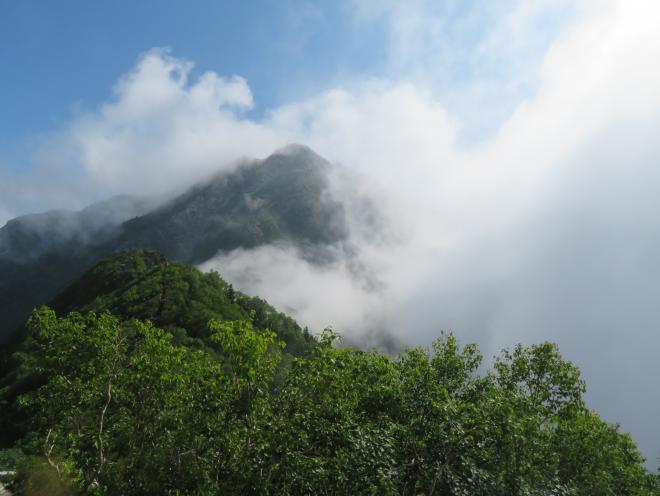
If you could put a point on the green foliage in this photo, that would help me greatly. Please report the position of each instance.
(10, 459)
(123, 408)
(282, 199)
(143, 284)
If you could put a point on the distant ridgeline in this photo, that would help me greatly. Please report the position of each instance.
(284, 198)
(164, 380)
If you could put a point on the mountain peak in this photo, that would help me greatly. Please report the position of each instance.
(284, 198)
(296, 149)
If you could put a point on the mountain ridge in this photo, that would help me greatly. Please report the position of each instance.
(286, 197)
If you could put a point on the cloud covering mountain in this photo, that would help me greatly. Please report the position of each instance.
(546, 228)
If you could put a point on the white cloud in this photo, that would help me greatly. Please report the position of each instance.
(159, 133)
(161, 128)
(5, 215)
(479, 58)
(270, 269)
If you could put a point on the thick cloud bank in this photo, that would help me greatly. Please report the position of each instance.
(546, 230)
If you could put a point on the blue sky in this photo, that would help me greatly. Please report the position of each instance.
(61, 58)
(511, 145)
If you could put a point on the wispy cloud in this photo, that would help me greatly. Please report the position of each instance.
(479, 58)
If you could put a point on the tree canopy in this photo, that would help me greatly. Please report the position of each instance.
(124, 407)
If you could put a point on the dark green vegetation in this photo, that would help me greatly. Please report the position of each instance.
(143, 284)
(204, 399)
(285, 198)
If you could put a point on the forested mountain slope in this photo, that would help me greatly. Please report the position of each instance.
(122, 408)
(144, 376)
(153, 378)
(285, 198)
(145, 285)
